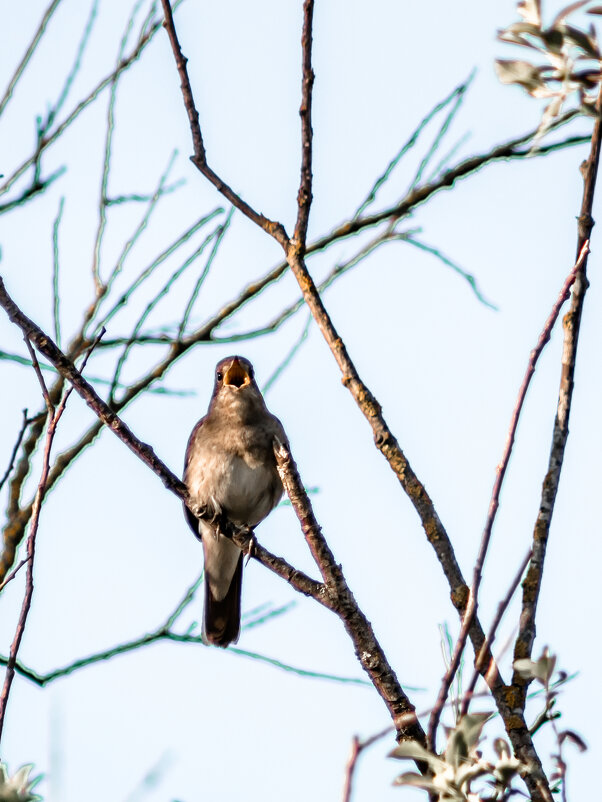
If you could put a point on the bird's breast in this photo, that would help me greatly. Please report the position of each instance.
(244, 487)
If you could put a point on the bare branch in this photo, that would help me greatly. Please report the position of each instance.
(49, 139)
(55, 273)
(54, 418)
(572, 322)
(342, 602)
(480, 666)
(199, 159)
(304, 196)
(13, 455)
(544, 338)
(14, 572)
(28, 54)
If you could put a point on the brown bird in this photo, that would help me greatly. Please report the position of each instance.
(231, 471)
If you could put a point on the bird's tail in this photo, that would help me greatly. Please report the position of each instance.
(221, 619)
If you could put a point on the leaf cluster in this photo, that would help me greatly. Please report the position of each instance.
(453, 775)
(572, 59)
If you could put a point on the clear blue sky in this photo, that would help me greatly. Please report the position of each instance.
(114, 552)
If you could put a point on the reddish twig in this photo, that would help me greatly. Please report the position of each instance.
(357, 747)
(544, 338)
(471, 608)
(479, 667)
(13, 455)
(572, 322)
(54, 416)
(14, 573)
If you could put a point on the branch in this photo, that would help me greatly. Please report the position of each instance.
(480, 665)
(164, 633)
(544, 338)
(49, 139)
(28, 54)
(304, 197)
(199, 159)
(572, 322)
(25, 423)
(54, 415)
(342, 602)
(41, 680)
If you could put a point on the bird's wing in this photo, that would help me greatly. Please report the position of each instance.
(193, 521)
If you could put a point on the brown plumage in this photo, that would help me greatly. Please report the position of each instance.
(231, 471)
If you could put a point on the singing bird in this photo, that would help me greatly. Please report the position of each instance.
(231, 471)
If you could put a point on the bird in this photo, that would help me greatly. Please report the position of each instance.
(230, 472)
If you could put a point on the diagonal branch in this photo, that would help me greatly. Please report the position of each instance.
(199, 159)
(342, 602)
(28, 54)
(379, 671)
(143, 451)
(472, 606)
(572, 322)
(54, 415)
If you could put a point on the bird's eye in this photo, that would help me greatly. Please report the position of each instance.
(219, 375)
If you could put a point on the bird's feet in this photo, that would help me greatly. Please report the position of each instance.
(250, 545)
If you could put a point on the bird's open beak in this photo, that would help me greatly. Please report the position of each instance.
(236, 375)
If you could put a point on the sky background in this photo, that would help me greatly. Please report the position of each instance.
(114, 553)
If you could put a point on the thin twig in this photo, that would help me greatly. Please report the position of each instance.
(55, 273)
(54, 418)
(77, 62)
(14, 572)
(572, 322)
(409, 144)
(106, 166)
(290, 355)
(148, 271)
(458, 100)
(221, 233)
(199, 159)
(165, 289)
(471, 608)
(544, 338)
(28, 54)
(133, 56)
(38, 372)
(350, 768)
(41, 680)
(25, 423)
(480, 667)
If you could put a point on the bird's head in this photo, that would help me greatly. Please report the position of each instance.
(235, 383)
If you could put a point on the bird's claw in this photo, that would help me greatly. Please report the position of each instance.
(250, 547)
